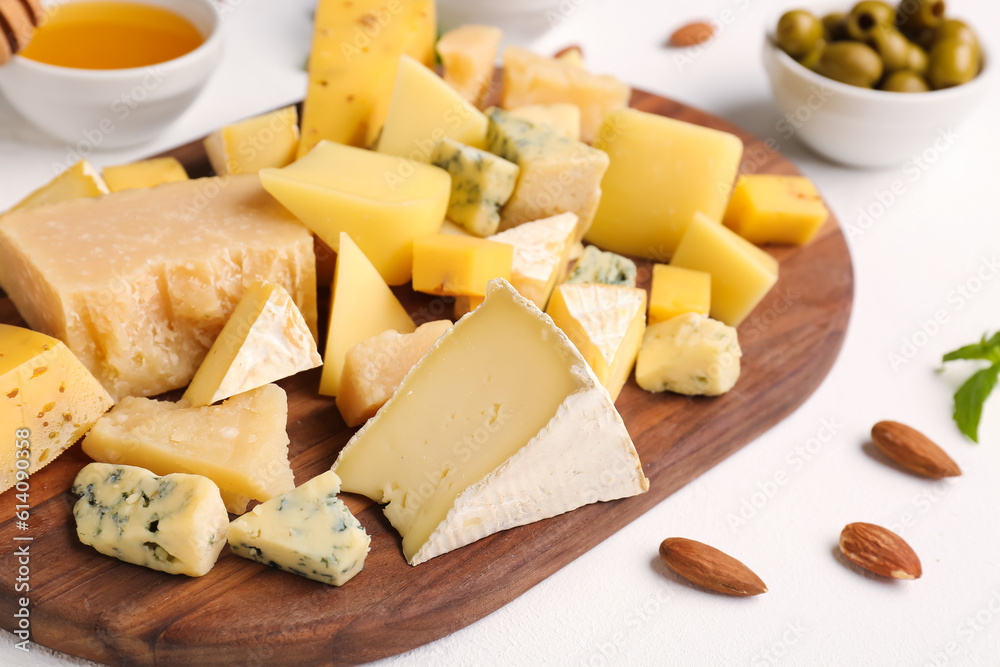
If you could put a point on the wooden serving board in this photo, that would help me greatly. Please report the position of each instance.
(89, 605)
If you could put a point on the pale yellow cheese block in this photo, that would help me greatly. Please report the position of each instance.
(240, 444)
(144, 174)
(374, 368)
(563, 118)
(675, 291)
(382, 201)
(662, 171)
(246, 147)
(265, 339)
(742, 274)
(79, 180)
(361, 306)
(450, 265)
(769, 208)
(47, 401)
(352, 65)
(468, 55)
(689, 354)
(139, 283)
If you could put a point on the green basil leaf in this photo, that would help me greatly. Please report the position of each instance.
(970, 397)
(984, 349)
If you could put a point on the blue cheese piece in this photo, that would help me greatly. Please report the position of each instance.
(558, 175)
(175, 523)
(307, 531)
(480, 184)
(689, 354)
(607, 268)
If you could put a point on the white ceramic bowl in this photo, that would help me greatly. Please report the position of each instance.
(862, 127)
(114, 108)
(520, 18)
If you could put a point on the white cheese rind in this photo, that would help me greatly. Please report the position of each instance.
(175, 523)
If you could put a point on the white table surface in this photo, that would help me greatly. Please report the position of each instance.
(931, 252)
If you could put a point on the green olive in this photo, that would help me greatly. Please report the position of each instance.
(811, 59)
(916, 59)
(798, 32)
(853, 63)
(866, 16)
(835, 26)
(904, 81)
(890, 44)
(955, 29)
(952, 62)
(914, 15)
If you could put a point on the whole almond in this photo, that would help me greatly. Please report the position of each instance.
(692, 34)
(710, 568)
(879, 550)
(913, 450)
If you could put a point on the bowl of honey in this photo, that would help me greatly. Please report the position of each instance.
(102, 74)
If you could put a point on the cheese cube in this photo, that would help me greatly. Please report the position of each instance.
(79, 180)
(307, 531)
(352, 66)
(265, 339)
(423, 110)
(532, 79)
(606, 323)
(480, 184)
(662, 171)
(501, 424)
(46, 390)
(382, 201)
(451, 265)
(563, 118)
(139, 283)
(468, 54)
(689, 354)
(766, 208)
(246, 147)
(374, 368)
(676, 291)
(175, 523)
(144, 174)
(558, 175)
(607, 268)
(240, 444)
(361, 306)
(742, 274)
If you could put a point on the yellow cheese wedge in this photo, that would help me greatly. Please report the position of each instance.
(361, 306)
(240, 444)
(766, 208)
(502, 423)
(468, 54)
(424, 110)
(689, 354)
(246, 147)
(572, 55)
(47, 401)
(563, 118)
(532, 79)
(265, 339)
(451, 265)
(606, 323)
(352, 65)
(676, 291)
(662, 171)
(375, 367)
(382, 201)
(144, 174)
(79, 180)
(139, 283)
(742, 274)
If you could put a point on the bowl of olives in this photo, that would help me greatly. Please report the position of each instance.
(874, 84)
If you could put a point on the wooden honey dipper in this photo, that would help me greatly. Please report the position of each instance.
(18, 20)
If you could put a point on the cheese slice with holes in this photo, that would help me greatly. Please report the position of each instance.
(501, 424)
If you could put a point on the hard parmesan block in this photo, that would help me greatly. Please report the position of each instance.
(563, 118)
(532, 79)
(468, 55)
(558, 175)
(175, 523)
(481, 183)
(138, 284)
(308, 531)
(144, 174)
(374, 368)
(240, 444)
(246, 147)
(46, 390)
(607, 268)
(690, 354)
(79, 180)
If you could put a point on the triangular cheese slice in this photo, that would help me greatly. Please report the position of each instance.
(361, 306)
(606, 323)
(79, 181)
(265, 339)
(501, 424)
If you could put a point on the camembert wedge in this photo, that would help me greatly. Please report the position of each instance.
(501, 424)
